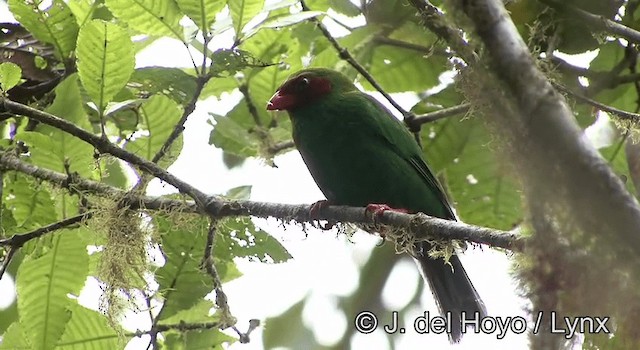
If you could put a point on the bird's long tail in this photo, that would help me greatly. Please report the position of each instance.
(452, 289)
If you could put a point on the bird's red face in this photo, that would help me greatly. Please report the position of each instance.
(299, 91)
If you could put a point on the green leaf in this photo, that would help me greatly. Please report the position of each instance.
(240, 192)
(82, 10)
(238, 237)
(268, 46)
(114, 174)
(172, 82)
(15, 338)
(68, 103)
(217, 86)
(202, 12)
(359, 42)
(198, 313)
(10, 75)
(400, 70)
(229, 136)
(152, 17)
(242, 11)
(105, 60)
(482, 191)
(181, 281)
(88, 329)
(54, 24)
(271, 46)
(197, 339)
(616, 156)
(290, 19)
(160, 115)
(30, 202)
(43, 285)
(50, 147)
(609, 55)
(230, 61)
(288, 330)
(344, 7)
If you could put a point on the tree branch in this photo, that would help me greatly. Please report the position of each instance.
(383, 40)
(210, 268)
(7, 260)
(422, 226)
(434, 20)
(182, 327)
(441, 114)
(16, 241)
(543, 127)
(244, 89)
(186, 327)
(103, 145)
(596, 21)
(622, 114)
(281, 146)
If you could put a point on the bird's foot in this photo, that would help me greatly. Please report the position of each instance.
(378, 209)
(314, 212)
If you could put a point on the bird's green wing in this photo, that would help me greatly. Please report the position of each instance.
(397, 137)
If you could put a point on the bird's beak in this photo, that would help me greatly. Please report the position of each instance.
(280, 101)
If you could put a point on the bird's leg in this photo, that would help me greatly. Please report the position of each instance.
(315, 210)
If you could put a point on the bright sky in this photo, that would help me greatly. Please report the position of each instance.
(324, 266)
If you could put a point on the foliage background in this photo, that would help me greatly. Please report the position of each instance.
(81, 60)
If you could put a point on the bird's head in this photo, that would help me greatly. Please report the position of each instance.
(308, 86)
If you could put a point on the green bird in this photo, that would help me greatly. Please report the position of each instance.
(359, 154)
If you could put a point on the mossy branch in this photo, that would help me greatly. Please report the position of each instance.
(420, 225)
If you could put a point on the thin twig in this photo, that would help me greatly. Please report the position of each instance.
(596, 21)
(207, 264)
(440, 114)
(281, 146)
(18, 240)
(244, 89)
(182, 327)
(433, 19)
(383, 40)
(633, 117)
(7, 260)
(201, 81)
(244, 337)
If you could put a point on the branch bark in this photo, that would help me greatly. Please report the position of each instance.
(560, 157)
(596, 21)
(103, 145)
(420, 225)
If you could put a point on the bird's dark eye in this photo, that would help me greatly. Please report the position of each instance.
(303, 83)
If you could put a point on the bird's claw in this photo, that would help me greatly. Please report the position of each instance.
(314, 212)
(377, 210)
